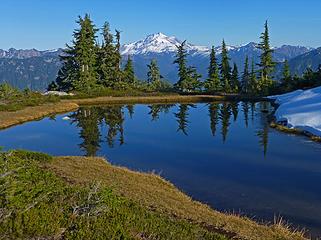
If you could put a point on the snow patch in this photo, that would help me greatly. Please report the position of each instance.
(300, 109)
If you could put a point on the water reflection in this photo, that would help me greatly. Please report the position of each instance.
(263, 133)
(182, 117)
(92, 121)
(87, 120)
(220, 153)
(156, 109)
(213, 109)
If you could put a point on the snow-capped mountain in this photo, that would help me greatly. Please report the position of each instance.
(36, 69)
(163, 48)
(160, 43)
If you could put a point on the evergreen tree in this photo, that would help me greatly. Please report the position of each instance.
(235, 84)
(53, 86)
(192, 82)
(189, 79)
(181, 56)
(253, 88)
(79, 69)
(246, 77)
(153, 75)
(118, 57)
(129, 73)
(287, 78)
(107, 58)
(85, 54)
(225, 69)
(266, 62)
(212, 84)
(68, 73)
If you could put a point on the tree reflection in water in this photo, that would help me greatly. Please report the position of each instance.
(182, 117)
(225, 115)
(213, 109)
(93, 120)
(156, 109)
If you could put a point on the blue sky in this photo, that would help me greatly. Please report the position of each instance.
(48, 24)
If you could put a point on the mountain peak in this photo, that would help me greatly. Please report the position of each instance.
(153, 43)
(158, 43)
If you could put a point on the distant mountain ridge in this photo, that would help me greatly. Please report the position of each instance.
(28, 53)
(36, 69)
(163, 48)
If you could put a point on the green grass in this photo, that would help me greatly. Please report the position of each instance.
(108, 92)
(12, 99)
(35, 203)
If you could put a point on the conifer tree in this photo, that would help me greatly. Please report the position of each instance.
(266, 62)
(253, 88)
(287, 78)
(225, 69)
(246, 77)
(118, 57)
(213, 83)
(129, 73)
(189, 79)
(193, 79)
(85, 54)
(107, 58)
(153, 75)
(79, 69)
(180, 60)
(53, 86)
(68, 73)
(235, 84)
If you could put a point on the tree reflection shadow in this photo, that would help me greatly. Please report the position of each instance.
(93, 121)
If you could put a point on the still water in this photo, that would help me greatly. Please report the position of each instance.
(223, 154)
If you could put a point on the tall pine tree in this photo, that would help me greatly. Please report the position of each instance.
(181, 61)
(266, 62)
(129, 73)
(107, 59)
(246, 77)
(213, 84)
(235, 84)
(79, 69)
(225, 69)
(253, 88)
(153, 75)
(287, 78)
(68, 73)
(118, 57)
(85, 54)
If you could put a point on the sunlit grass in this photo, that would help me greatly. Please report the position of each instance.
(35, 203)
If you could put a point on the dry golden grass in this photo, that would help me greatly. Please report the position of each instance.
(159, 195)
(149, 99)
(8, 119)
(294, 131)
